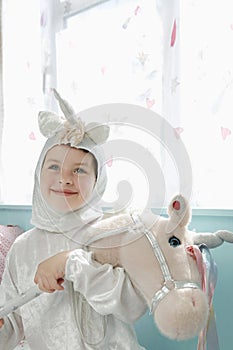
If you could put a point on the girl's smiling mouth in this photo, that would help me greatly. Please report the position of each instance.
(64, 192)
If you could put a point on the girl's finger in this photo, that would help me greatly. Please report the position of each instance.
(44, 285)
(1, 322)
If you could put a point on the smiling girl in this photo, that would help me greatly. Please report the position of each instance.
(86, 305)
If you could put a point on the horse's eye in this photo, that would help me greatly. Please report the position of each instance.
(174, 241)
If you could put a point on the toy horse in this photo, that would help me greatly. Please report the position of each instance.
(163, 261)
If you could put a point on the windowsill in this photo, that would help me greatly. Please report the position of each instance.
(163, 211)
(202, 212)
(15, 207)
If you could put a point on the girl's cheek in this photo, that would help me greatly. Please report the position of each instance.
(86, 184)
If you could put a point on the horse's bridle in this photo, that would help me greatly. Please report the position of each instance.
(169, 283)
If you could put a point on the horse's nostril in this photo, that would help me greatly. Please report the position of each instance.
(190, 250)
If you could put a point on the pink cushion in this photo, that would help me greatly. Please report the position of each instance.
(7, 236)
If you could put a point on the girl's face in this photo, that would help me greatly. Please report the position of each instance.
(67, 178)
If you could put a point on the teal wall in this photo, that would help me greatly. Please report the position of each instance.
(16, 215)
(202, 221)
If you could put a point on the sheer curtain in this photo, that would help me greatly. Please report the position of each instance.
(22, 87)
(112, 53)
(206, 98)
(1, 102)
(170, 57)
(129, 51)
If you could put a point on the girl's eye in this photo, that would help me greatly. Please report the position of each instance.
(79, 171)
(53, 167)
(174, 241)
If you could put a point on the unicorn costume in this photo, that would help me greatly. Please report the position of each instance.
(98, 305)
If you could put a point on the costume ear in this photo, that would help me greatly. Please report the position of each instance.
(50, 123)
(97, 132)
(179, 213)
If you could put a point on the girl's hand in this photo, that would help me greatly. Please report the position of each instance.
(1, 322)
(50, 273)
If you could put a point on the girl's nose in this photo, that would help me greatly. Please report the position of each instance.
(65, 180)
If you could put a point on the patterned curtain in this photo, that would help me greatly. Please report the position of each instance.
(1, 99)
(162, 55)
(206, 96)
(172, 57)
(169, 13)
(21, 83)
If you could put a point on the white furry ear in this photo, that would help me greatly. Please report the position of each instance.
(97, 132)
(179, 213)
(70, 128)
(50, 123)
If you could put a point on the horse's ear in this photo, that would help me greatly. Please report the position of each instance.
(178, 212)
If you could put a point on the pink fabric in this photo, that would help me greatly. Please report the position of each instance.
(7, 236)
(208, 285)
(195, 252)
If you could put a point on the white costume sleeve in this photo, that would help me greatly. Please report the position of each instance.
(12, 331)
(108, 290)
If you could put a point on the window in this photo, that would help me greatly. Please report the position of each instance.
(112, 53)
(164, 58)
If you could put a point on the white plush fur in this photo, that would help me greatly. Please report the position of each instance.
(182, 313)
